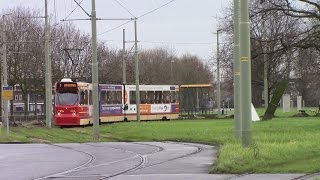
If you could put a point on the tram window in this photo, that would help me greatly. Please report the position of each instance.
(143, 97)
(177, 97)
(132, 97)
(108, 97)
(158, 97)
(90, 97)
(103, 97)
(166, 97)
(67, 98)
(86, 95)
(81, 97)
(116, 97)
(174, 97)
(150, 97)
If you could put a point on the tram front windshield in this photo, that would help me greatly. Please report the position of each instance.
(67, 98)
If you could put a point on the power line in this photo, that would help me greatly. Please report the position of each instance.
(156, 9)
(73, 10)
(64, 19)
(137, 17)
(82, 8)
(30, 26)
(115, 27)
(185, 43)
(124, 8)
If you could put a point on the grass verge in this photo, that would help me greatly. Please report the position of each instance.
(282, 145)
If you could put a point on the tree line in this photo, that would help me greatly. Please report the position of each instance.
(71, 57)
(285, 35)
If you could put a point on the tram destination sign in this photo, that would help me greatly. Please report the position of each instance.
(66, 85)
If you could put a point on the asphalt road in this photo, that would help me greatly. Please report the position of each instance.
(118, 161)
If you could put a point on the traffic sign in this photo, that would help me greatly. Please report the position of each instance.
(7, 92)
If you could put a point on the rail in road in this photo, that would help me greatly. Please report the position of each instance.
(109, 160)
(118, 161)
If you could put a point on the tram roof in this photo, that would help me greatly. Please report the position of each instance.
(196, 86)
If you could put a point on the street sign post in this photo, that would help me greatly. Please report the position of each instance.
(7, 94)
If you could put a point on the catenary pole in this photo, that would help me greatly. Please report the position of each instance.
(48, 70)
(137, 70)
(5, 75)
(265, 66)
(218, 76)
(95, 82)
(236, 70)
(265, 80)
(124, 65)
(245, 78)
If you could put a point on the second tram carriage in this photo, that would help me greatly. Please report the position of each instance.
(74, 105)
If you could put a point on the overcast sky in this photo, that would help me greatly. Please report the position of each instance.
(185, 26)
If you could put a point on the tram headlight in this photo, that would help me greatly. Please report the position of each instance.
(73, 112)
(59, 114)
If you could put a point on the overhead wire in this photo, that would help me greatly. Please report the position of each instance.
(73, 10)
(82, 8)
(156, 9)
(115, 28)
(64, 19)
(147, 13)
(184, 43)
(118, 2)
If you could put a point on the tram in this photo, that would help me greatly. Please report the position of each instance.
(74, 106)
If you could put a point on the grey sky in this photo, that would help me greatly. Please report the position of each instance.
(176, 26)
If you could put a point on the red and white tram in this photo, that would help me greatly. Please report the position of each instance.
(73, 102)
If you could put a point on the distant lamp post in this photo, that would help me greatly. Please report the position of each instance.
(218, 75)
(171, 71)
(124, 65)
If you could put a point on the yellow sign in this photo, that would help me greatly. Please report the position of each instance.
(7, 93)
(243, 58)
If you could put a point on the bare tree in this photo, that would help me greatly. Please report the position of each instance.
(71, 52)
(25, 39)
(308, 12)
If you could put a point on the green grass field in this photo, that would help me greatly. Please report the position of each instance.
(282, 145)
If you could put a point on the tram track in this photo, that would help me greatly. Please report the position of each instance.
(134, 155)
(91, 159)
(199, 149)
(85, 166)
(308, 176)
(138, 166)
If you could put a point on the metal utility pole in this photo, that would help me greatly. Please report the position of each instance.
(171, 72)
(245, 79)
(265, 66)
(265, 80)
(137, 70)
(218, 76)
(124, 64)
(48, 70)
(95, 82)
(5, 75)
(236, 70)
